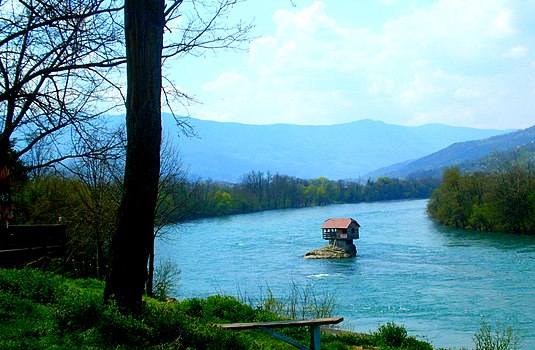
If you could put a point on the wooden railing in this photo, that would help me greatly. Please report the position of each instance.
(20, 244)
(329, 235)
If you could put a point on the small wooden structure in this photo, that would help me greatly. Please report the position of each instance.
(340, 229)
(21, 244)
(340, 232)
(313, 325)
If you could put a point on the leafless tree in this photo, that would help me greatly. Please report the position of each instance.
(57, 58)
(97, 179)
(174, 198)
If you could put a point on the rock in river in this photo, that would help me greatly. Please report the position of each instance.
(332, 252)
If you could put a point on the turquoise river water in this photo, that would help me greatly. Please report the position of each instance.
(437, 281)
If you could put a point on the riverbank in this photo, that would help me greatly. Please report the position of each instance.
(41, 310)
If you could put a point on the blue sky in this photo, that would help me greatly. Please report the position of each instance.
(412, 62)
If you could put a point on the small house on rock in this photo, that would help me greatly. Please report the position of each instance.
(340, 232)
(340, 228)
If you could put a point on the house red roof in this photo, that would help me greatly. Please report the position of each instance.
(342, 223)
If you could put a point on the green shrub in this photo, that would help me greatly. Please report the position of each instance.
(391, 335)
(12, 305)
(117, 328)
(499, 339)
(266, 316)
(191, 307)
(300, 302)
(220, 308)
(203, 336)
(78, 309)
(30, 284)
(166, 279)
(165, 320)
(411, 343)
(335, 345)
(352, 339)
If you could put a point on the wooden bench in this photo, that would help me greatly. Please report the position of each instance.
(313, 325)
(20, 244)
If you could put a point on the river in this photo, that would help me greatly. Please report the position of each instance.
(437, 281)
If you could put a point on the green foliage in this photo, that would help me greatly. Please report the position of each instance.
(165, 319)
(500, 339)
(393, 336)
(166, 279)
(218, 309)
(73, 316)
(352, 339)
(30, 284)
(87, 210)
(265, 191)
(12, 305)
(503, 200)
(78, 309)
(298, 302)
(117, 328)
(223, 202)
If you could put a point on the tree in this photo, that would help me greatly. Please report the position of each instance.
(97, 181)
(450, 203)
(56, 60)
(144, 29)
(514, 196)
(144, 22)
(502, 200)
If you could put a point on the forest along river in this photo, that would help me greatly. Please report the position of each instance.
(438, 282)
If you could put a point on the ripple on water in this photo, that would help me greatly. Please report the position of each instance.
(438, 282)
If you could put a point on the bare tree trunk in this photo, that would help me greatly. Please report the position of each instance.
(150, 279)
(131, 244)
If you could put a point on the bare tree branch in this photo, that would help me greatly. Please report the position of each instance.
(57, 59)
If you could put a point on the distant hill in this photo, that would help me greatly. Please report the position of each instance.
(470, 155)
(226, 151)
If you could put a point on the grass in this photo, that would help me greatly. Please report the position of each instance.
(40, 310)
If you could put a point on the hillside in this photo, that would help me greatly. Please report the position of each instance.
(469, 155)
(226, 151)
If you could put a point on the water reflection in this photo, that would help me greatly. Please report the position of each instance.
(498, 240)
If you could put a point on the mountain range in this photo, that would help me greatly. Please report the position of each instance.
(469, 155)
(224, 151)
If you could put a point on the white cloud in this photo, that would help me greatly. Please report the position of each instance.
(417, 90)
(312, 67)
(467, 94)
(516, 52)
(231, 79)
(501, 25)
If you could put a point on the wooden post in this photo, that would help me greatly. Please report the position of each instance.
(314, 337)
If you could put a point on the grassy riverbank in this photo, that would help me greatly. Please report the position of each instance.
(46, 311)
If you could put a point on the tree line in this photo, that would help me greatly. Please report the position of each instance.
(266, 191)
(502, 200)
